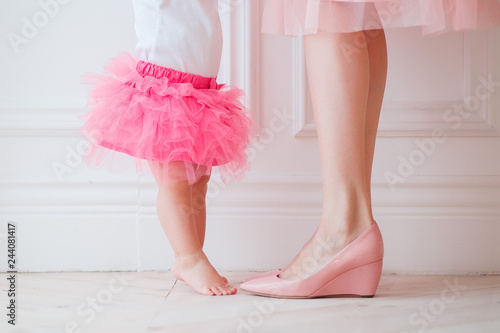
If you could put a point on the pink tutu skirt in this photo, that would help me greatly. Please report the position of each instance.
(294, 17)
(181, 124)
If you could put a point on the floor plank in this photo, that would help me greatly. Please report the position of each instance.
(156, 302)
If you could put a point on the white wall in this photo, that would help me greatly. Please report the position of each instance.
(444, 217)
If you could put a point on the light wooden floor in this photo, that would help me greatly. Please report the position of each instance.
(155, 302)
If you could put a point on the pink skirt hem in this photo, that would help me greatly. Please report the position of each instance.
(296, 17)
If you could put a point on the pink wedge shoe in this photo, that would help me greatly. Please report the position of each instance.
(261, 275)
(277, 271)
(354, 271)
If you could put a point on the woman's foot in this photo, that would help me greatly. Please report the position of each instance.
(354, 271)
(319, 250)
(197, 271)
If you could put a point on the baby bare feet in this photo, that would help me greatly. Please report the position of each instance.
(178, 276)
(197, 271)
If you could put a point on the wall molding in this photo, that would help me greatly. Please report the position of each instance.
(40, 122)
(283, 197)
(423, 210)
(240, 20)
(410, 119)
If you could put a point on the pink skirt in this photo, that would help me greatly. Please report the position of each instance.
(294, 17)
(181, 124)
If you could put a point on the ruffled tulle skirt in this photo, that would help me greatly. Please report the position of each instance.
(181, 124)
(294, 17)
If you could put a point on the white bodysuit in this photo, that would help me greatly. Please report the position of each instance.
(184, 35)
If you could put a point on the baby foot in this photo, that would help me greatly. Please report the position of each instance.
(178, 276)
(197, 271)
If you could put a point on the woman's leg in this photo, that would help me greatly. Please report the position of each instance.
(177, 217)
(377, 51)
(346, 90)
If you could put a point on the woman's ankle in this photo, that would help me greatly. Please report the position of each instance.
(337, 228)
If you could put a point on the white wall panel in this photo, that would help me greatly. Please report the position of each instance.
(442, 217)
